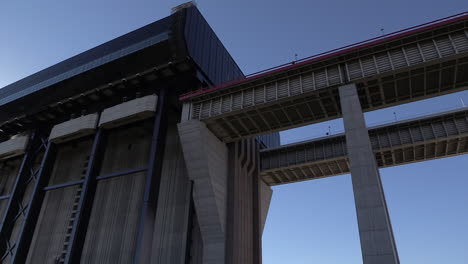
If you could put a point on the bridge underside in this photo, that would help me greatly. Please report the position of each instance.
(410, 69)
(405, 142)
(323, 104)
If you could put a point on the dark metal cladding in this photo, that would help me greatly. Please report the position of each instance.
(270, 140)
(158, 43)
(207, 51)
(114, 47)
(213, 59)
(142, 49)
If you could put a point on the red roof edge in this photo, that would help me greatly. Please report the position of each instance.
(334, 52)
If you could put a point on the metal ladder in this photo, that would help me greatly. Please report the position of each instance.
(61, 258)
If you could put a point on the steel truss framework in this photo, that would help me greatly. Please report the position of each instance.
(26, 198)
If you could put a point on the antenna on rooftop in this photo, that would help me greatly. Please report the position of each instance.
(382, 30)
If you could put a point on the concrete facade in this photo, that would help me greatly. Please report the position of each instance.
(206, 159)
(173, 215)
(75, 128)
(243, 244)
(231, 201)
(266, 193)
(149, 190)
(375, 230)
(13, 147)
(131, 111)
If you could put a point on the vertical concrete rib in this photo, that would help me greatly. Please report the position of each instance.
(375, 230)
(206, 158)
(173, 214)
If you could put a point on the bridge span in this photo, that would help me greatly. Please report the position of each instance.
(409, 65)
(419, 139)
(414, 64)
(99, 158)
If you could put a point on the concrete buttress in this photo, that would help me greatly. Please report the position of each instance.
(206, 159)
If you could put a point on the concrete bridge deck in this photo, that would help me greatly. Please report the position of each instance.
(425, 138)
(422, 62)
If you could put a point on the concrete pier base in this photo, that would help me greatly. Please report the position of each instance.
(375, 230)
(206, 159)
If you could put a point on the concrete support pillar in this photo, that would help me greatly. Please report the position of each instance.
(244, 223)
(375, 230)
(206, 158)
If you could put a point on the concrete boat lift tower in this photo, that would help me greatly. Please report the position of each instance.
(155, 148)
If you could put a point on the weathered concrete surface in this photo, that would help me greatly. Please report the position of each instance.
(206, 159)
(114, 221)
(14, 147)
(131, 111)
(266, 194)
(243, 239)
(75, 128)
(173, 210)
(375, 231)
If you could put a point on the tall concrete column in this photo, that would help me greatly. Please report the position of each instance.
(375, 230)
(245, 200)
(206, 158)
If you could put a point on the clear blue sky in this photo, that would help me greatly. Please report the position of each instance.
(309, 222)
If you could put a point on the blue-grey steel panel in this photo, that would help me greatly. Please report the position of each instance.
(205, 48)
(102, 54)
